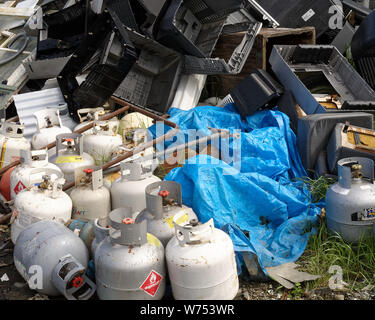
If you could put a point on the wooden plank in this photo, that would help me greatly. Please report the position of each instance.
(12, 50)
(259, 56)
(17, 12)
(280, 32)
(11, 3)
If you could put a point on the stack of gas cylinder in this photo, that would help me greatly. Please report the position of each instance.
(115, 235)
(130, 250)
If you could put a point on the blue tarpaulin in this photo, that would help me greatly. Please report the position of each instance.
(257, 199)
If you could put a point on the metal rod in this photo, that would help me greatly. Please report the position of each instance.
(133, 152)
(91, 125)
(14, 51)
(125, 107)
(14, 119)
(9, 166)
(85, 128)
(141, 147)
(168, 151)
(143, 111)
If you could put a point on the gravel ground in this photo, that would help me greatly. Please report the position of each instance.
(270, 291)
(273, 291)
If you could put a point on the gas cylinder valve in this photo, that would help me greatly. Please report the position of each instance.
(357, 171)
(166, 201)
(46, 184)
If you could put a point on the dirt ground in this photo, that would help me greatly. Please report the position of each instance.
(17, 289)
(272, 291)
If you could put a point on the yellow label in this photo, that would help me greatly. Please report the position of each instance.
(151, 239)
(69, 159)
(180, 220)
(3, 148)
(113, 177)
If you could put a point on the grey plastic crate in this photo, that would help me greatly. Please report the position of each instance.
(321, 167)
(153, 80)
(240, 21)
(261, 14)
(300, 13)
(290, 63)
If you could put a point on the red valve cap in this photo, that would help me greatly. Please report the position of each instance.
(128, 221)
(77, 282)
(164, 193)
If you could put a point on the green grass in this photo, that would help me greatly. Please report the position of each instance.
(318, 187)
(328, 249)
(100, 157)
(160, 172)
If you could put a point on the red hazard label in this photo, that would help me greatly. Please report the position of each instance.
(19, 187)
(152, 283)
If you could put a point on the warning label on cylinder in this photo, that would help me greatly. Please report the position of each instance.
(152, 283)
(19, 187)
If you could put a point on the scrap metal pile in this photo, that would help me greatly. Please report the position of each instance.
(97, 96)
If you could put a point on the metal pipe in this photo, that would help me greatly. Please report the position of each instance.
(14, 51)
(9, 166)
(85, 128)
(131, 153)
(14, 119)
(167, 152)
(141, 147)
(91, 125)
(143, 111)
(125, 107)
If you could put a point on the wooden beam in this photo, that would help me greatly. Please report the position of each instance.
(17, 12)
(14, 51)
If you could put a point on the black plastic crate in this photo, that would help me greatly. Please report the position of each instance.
(192, 27)
(105, 75)
(363, 49)
(68, 22)
(101, 83)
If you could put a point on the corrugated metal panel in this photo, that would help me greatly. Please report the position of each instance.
(29, 103)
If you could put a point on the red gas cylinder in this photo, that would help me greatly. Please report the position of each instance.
(5, 184)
